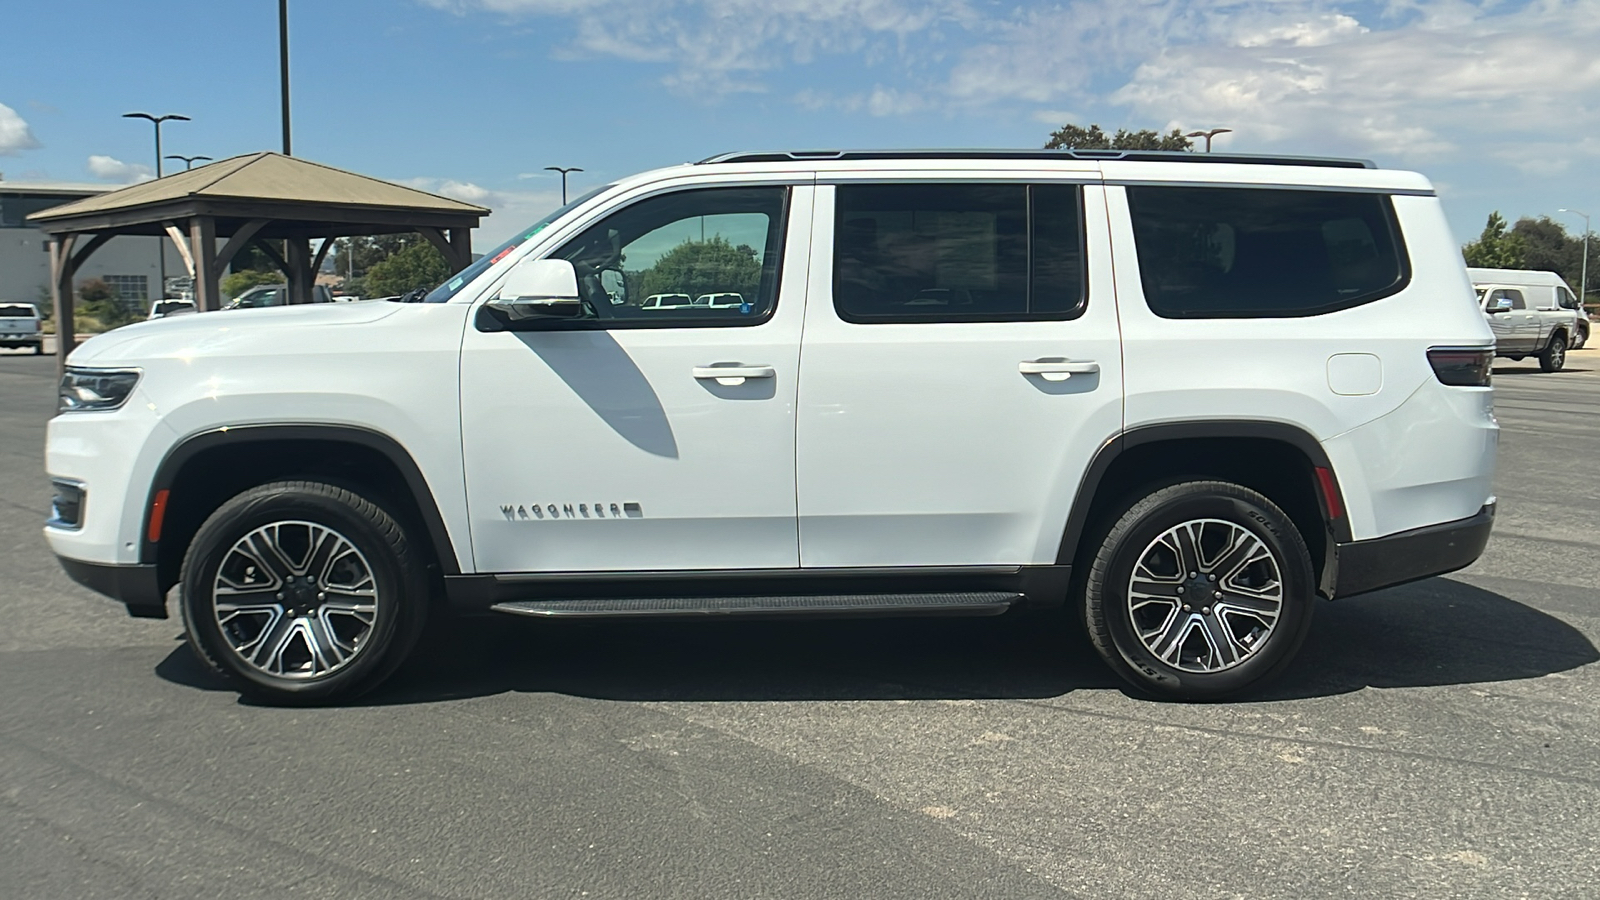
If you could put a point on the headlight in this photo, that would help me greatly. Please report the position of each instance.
(84, 390)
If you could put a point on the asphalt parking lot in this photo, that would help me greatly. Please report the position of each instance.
(1440, 739)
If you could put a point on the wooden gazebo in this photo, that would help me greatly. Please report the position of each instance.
(261, 199)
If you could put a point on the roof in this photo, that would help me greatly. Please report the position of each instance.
(1125, 155)
(73, 188)
(235, 185)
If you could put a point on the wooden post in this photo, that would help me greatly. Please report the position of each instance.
(61, 297)
(203, 249)
(461, 241)
(298, 258)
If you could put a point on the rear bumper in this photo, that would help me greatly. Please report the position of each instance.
(135, 586)
(1412, 555)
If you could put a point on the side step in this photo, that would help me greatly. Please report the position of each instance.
(985, 603)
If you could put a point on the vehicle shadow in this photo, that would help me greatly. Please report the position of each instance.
(1436, 632)
(1535, 370)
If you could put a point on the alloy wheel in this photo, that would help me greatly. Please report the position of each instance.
(1205, 595)
(295, 599)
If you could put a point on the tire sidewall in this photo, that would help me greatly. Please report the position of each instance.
(277, 503)
(1272, 528)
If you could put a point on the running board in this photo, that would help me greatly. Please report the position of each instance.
(984, 603)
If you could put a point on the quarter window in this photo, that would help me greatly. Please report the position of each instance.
(1235, 252)
(958, 252)
(688, 259)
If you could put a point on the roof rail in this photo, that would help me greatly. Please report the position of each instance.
(1127, 155)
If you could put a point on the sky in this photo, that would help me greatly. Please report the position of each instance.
(1497, 102)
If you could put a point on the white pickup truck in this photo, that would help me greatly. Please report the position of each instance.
(19, 327)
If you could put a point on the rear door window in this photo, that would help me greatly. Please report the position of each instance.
(958, 252)
(1220, 252)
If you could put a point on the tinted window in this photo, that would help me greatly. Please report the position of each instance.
(1217, 252)
(1517, 301)
(1565, 299)
(17, 312)
(958, 252)
(702, 257)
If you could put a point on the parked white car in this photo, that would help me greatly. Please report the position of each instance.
(20, 327)
(163, 308)
(1531, 314)
(1185, 395)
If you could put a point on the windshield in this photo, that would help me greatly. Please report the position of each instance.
(464, 277)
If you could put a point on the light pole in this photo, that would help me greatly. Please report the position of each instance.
(1583, 289)
(161, 242)
(283, 68)
(188, 161)
(1208, 135)
(563, 179)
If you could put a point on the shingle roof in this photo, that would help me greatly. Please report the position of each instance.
(263, 177)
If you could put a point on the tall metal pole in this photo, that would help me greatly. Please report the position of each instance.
(283, 68)
(563, 179)
(161, 242)
(1583, 289)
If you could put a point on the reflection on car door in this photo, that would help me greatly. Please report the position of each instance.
(608, 446)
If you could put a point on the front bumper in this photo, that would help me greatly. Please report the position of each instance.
(135, 586)
(1412, 555)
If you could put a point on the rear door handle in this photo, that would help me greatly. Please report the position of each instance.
(733, 373)
(1053, 369)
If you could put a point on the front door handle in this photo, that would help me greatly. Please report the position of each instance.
(733, 373)
(1058, 369)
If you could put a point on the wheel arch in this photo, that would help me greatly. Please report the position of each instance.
(205, 469)
(1277, 459)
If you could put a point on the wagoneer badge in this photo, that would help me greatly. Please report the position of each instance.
(521, 513)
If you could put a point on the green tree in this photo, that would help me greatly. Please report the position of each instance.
(1073, 137)
(702, 267)
(245, 279)
(1548, 248)
(98, 303)
(419, 265)
(1495, 248)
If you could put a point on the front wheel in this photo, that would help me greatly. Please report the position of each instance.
(302, 592)
(1200, 591)
(1582, 337)
(1554, 354)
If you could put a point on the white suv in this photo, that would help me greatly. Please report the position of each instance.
(1186, 394)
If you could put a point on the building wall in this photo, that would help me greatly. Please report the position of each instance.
(25, 263)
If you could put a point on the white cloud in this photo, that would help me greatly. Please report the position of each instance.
(1443, 82)
(15, 135)
(509, 211)
(719, 47)
(107, 168)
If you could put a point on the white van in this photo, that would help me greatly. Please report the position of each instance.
(1549, 303)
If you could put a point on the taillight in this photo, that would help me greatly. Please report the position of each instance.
(1462, 366)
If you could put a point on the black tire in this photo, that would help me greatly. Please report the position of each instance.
(38, 349)
(1582, 337)
(1261, 650)
(325, 614)
(1554, 354)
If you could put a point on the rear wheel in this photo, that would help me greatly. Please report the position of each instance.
(1582, 337)
(1554, 354)
(1200, 591)
(38, 349)
(302, 592)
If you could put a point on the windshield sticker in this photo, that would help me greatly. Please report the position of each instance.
(501, 255)
(536, 230)
(456, 284)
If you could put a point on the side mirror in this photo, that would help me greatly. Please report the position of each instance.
(537, 290)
